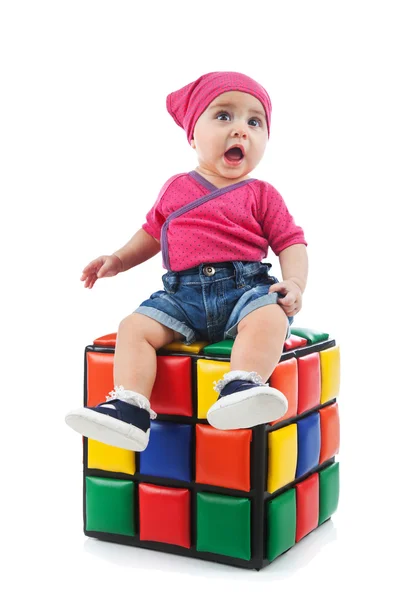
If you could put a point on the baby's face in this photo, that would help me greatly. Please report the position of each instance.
(233, 118)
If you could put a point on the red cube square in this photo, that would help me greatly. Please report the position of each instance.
(164, 514)
(309, 371)
(172, 390)
(307, 502)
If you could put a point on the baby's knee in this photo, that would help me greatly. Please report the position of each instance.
(140, 327)
(135, 323)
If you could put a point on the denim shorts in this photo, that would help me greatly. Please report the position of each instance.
(208, 301)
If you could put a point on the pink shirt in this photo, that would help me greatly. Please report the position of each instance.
(239, 224)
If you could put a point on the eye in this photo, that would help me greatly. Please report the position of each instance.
(257, 121)
(222, 114)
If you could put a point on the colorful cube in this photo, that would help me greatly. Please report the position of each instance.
(242, 497)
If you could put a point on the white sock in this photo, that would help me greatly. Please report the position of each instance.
(131, 397)
(234, 375)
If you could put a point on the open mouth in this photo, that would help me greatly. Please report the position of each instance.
(234, 155)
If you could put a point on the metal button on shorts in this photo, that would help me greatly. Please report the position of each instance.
(208, 270)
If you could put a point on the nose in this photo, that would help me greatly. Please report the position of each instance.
(239, 130)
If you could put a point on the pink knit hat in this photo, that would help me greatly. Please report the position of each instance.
(187, 104)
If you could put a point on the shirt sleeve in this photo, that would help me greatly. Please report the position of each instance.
(155, 218)
(277, 223)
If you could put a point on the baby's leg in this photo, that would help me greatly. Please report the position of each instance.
(245, 400)
(124, 419)
(135, 359)
(259, 343)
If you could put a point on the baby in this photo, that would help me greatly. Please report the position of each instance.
(213, 226)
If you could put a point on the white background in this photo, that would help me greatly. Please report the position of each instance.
(86, 143)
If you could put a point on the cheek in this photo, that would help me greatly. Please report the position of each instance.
(260, 146)
(207, 145)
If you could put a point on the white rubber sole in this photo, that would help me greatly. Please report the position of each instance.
(107, 430)
(248, 408)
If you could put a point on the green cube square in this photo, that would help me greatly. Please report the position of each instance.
(328, 492)
(223, 525)
(281, 524)
(110, 505)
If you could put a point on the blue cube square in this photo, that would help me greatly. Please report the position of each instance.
(169, 453)
(308, 443)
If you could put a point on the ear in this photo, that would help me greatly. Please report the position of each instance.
(192, 144)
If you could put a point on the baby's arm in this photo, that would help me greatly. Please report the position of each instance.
(294, 267)
(140, 248)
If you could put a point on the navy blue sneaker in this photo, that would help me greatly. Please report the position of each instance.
(242, 404)
(114, 422)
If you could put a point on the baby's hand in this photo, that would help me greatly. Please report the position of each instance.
(103, 266)
(293, 297)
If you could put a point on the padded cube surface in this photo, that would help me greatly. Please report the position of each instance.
(100, 376)
(202, 492)
(208, 371)
(110, 505)
(311, 335)
(223, 525)
(307, 506)
(179, 346)
(330, 432)
(330, 373)
(284, 379)
(164, 514)
(308, 443)
(293, 342)
(223, 347)
(223, 457)
(309, 371)
(281, 524)
(282, 457)
(109, 458)
(328, 492)
(172, 391)
(108, 340)
(169, 453)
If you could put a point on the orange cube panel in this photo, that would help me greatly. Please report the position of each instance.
(100, 376)
(223, 457)
(309, 370)
(172, 390)
(330, 432)
(307, 503)
(284, 378)
(108, 340)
